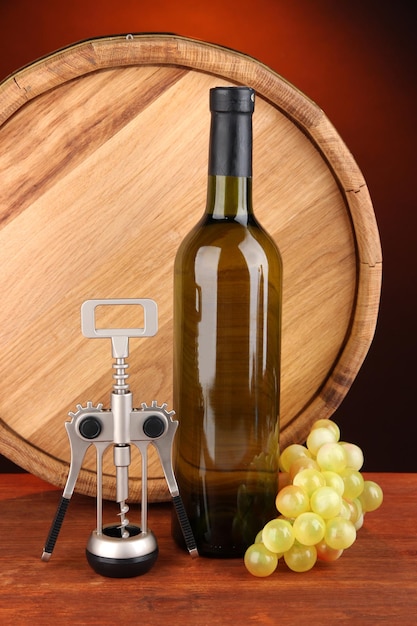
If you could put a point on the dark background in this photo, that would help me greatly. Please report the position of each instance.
(357, 60)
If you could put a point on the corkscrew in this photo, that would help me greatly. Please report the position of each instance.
(122, 549)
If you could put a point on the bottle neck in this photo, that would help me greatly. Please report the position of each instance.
(229, 193)
(229, 198)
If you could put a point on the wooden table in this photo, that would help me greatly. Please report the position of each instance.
(375, 581)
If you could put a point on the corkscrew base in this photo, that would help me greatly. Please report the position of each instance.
(110, 555)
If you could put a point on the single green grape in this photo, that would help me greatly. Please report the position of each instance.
(260, 561)
(300, 464)
(278, 536)
(310, 480)
(371, 497)
(353, 481)
(290, 454)
(326, 502)
(359, 522)
(332, 457)
(354, 455)
(356, 506)
(326, 423)
(292, 500)
(326, 553)
(309, 528)
(334, 480)
(345, 510)
(352, 510)
(300, 558)
(318, 437)
(340, 533)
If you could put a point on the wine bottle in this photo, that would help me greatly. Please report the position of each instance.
(227, 328)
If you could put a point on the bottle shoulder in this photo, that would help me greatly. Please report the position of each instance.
(229, 236)
(226, 232)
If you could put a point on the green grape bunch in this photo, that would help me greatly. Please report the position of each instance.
(321, 504)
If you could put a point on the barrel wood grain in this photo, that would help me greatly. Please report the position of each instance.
(103, 166)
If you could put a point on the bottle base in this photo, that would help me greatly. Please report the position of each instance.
(208, 550)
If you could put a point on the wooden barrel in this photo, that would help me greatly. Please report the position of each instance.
(103, 171)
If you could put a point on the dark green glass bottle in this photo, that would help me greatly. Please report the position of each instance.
(227, 329)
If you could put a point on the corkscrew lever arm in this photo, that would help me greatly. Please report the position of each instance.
(164, 449)
(78, 450)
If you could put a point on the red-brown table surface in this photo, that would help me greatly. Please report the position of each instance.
(374, 582)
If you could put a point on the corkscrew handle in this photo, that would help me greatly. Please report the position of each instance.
(119, 336)
(185, 526)
(55, 528)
